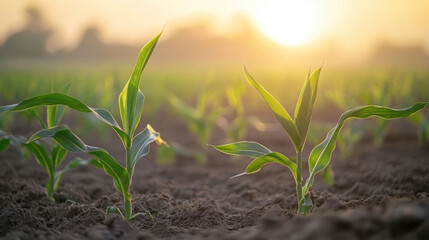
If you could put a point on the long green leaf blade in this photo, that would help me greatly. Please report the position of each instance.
(281, 114)
(244, 148)
(69, 141)
(304, 106)
(320, 155)
(63, 99)
(130, 99)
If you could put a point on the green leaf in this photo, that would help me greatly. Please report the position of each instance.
(244, 148)
(281, 114)
(321, 154)
(6, 140)
(328, 176)
(4, 144)
(304, 106)
(57, 154)
(145, 213)
(273, 157)
(41, 155)
(261, 154)
(69, 141)
(113, 209)
(36, 114)
(140, 145)
(131, 99)
(63, 99)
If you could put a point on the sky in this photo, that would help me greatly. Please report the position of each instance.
(350, 25)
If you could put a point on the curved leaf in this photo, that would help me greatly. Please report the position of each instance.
(63, 99)
(273, 157)
(304, 106)
(69, 141)
(36, 114)
(244, 148)
(140, 145)
(131, 99)
(280, 113)
(321, 154)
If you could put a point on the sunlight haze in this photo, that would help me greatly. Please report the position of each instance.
(351, 28)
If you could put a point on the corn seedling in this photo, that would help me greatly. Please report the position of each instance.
(40, 148)
(297, 131)
(130, 106)
(200, 120)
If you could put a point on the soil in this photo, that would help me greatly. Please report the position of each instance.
(378, 193)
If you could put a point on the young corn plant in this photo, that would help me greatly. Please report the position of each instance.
(200, 120)
(136, 146)
(297, 129)
(40, 149)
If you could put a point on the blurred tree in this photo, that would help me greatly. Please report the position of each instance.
(29, 41)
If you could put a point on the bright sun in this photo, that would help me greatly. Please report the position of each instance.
(290, 23)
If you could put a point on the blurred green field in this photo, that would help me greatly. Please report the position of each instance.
(98, 86)
(339, 89)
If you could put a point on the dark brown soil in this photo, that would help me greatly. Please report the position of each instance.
(378, 194)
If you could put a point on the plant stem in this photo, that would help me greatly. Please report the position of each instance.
(127, 197)
(128, 163)
(299, 180)
(50, 186)
(128, 207)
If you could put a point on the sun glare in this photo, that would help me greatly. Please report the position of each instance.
(290, 23)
